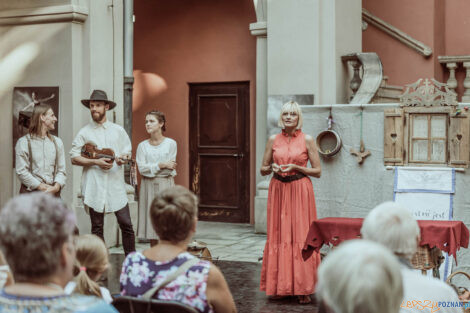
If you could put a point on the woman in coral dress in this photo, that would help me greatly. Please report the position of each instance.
(291, 209)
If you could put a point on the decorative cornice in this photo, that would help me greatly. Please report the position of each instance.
(399, 35)
(259, 29)
(50, 14)
(453, 58)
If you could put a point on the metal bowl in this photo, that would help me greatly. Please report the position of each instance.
(328, 143)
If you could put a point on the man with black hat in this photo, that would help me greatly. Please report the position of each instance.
(103, 186)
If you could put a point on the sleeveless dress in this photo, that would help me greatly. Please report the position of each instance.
(291, 210)
(140, 274)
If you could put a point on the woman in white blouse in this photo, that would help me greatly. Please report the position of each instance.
(156, 160)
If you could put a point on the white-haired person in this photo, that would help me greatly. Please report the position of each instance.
(167, 271)
(36, 237)
(291, 208)
(359, 276)
(393, 226)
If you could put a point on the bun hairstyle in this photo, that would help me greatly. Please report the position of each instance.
(160, 117)
(91, 260)
(173, 212)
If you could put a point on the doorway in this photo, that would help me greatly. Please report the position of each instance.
(219, 142)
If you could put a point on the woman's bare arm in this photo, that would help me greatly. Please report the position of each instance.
(218, 294)
(266, 168)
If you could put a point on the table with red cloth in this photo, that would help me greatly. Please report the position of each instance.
(448, 236)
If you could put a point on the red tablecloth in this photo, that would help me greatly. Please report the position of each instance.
(448, 236)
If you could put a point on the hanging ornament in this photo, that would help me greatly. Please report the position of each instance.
(362, 154)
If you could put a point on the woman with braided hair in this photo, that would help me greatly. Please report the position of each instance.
(167, 271)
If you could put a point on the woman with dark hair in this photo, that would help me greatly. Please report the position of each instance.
(167, 271)
(156, 160)
(40, 159)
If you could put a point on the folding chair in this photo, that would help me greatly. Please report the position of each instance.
(138, 305)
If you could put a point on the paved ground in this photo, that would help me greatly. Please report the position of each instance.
(227, 241)
(238, 249)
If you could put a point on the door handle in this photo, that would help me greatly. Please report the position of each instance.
(238, 155)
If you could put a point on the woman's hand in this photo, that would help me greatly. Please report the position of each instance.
(53, 189)
(288, 167)
(276, 168)
(171, 165)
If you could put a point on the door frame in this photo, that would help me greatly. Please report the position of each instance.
(246, 164)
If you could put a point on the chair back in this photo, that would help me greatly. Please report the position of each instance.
(126, 304)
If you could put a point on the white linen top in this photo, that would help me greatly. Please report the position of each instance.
(148, 156)
(43, 158)
(103, 190)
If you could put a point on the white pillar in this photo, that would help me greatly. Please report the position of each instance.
(259, 30)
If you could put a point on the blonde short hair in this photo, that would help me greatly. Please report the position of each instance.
(291, 106)
(360, 276)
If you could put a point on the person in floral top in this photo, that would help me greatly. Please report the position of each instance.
(174, 216)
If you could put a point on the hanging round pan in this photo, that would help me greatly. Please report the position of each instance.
(328, 143)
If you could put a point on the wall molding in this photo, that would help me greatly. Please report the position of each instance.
(50, 14)
(394, 32)
(259, 29)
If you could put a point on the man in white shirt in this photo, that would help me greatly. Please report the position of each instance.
(394, 227)
(39, 156)
(103, 185)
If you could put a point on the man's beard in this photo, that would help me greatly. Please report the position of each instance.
(99, 118)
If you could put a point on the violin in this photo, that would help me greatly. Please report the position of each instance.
(91, 151)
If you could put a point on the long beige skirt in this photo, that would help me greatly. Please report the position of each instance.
(149, 188)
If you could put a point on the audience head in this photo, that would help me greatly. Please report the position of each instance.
(393, 226)
(36, 237)
(91, 262)
(360, 276)
(174, 213)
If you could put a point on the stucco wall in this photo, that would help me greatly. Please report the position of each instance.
(86, 54)
(442, 25)
(347, 189)
(179, 42)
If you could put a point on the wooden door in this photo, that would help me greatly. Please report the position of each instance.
(219, 150)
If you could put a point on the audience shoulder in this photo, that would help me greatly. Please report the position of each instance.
(88, 304)
(215, 278)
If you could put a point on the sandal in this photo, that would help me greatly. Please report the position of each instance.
(304, 299)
